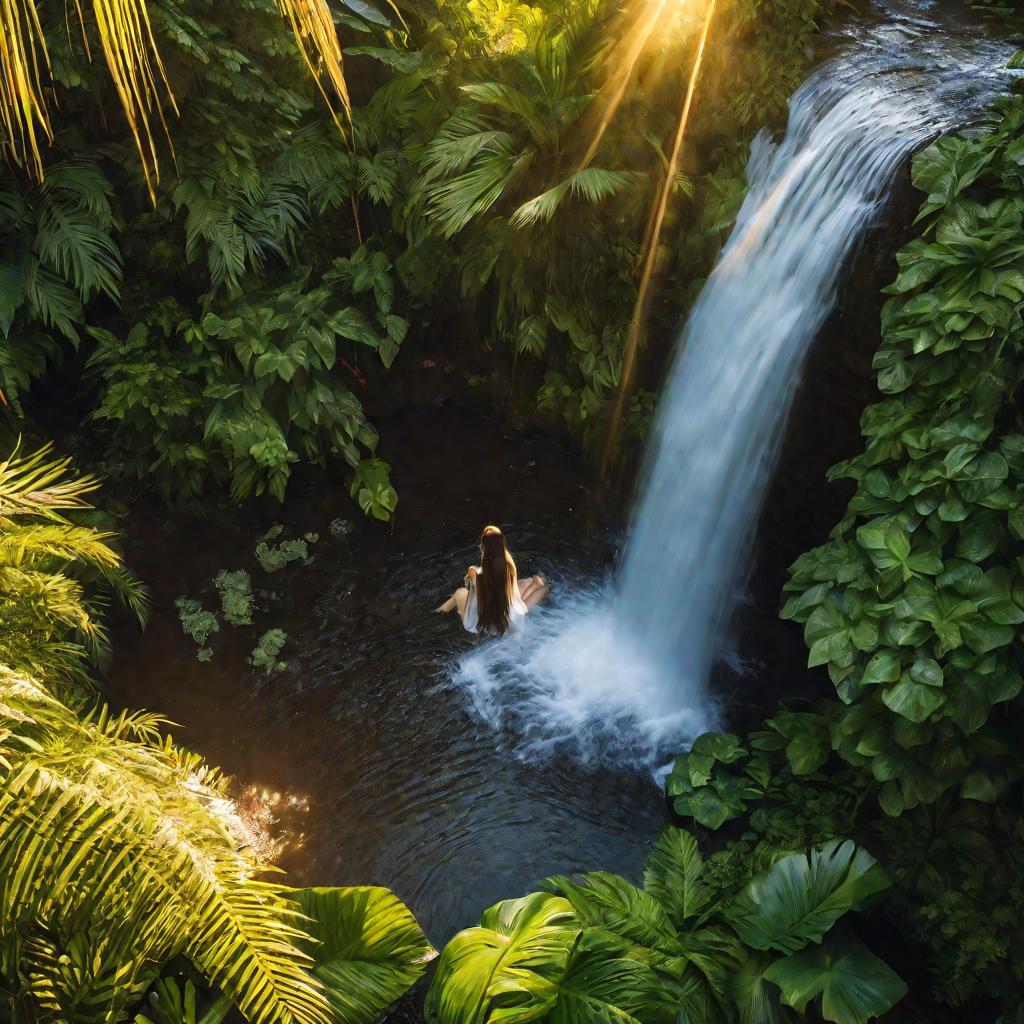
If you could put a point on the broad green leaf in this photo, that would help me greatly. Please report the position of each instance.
(854, 985)
(884, 667)
(807, 752)
(914, 701)
(757, 1002)
(798, 899)
(602, 988)
(926, 671)
(369, 950)
(601, 899)
(517, 957)
(672, 875)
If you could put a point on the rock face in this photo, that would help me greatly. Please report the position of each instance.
(837, 383)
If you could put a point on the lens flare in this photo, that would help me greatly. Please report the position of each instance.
(653, 237)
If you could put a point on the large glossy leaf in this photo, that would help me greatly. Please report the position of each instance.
(605, 900)
(672, 875)
(798, 899)
(853, 984)
(601, 987)
(756, 999)
(368, 949)
(509, 968)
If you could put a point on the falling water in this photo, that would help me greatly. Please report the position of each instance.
(619, 672)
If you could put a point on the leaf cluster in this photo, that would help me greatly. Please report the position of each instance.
(599, 948)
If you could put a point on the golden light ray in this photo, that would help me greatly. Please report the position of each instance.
(633, 46)
(654, 226)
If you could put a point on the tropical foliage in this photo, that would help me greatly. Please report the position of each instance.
(225, 255)
(683, 947)
(120, 852)
(55, 573)
(117, 855)
(915, 603)
(236, 305)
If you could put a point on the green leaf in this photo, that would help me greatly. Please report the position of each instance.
(926, 671)
(914, 701)
(884, 667)
(517, 957)
(599, 988)
(807, 751)
(798, 899)
(853, 984)
(757, 1002)
(604, 900)
(673, 873)
(370, 950)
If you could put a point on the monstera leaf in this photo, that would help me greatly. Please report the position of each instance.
(853, 984)
(367, 947)
(518, 956)
(798, 899)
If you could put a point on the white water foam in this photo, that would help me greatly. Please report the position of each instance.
(618, 673)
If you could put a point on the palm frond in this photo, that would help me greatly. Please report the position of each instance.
(54, 573)
(34, 485)
(28, 544)
(134, 64)
(73, 221)
(317, 40)
(23, 113)
(592, 184)
(455, 144)
(495, 172)
(511, 100)
(99, 831)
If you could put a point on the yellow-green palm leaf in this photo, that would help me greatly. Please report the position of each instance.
(126, 38)
(103, 832)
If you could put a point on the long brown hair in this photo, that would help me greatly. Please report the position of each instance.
(495, 583)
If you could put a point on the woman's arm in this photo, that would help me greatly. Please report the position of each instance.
(455, 603)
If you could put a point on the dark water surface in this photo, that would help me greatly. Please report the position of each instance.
(378, 772)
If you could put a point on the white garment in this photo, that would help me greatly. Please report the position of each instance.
(516, 612)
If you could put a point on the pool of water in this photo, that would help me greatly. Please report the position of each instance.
(364, 748)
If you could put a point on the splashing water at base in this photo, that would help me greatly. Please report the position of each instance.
(572, 679)
(618, 673)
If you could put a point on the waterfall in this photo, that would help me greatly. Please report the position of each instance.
(619, 672)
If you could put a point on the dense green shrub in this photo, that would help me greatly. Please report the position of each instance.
(685, 946)
(461, 175)
(915, 603)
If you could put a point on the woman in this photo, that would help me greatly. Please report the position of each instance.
(494, 598)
